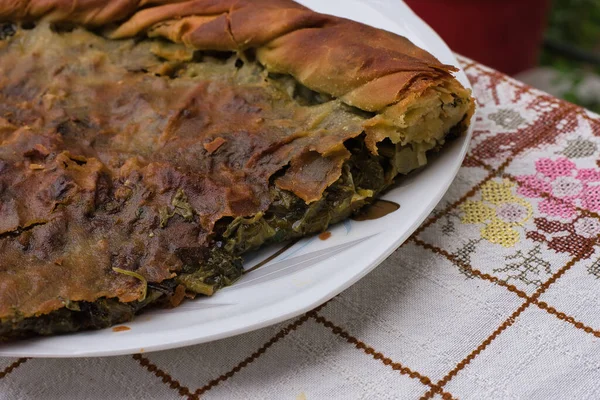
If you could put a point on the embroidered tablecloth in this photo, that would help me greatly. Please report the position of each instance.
(496, 296)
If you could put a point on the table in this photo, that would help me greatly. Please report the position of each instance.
(495, 296)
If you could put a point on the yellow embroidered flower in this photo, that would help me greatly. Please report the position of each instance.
(500, 210)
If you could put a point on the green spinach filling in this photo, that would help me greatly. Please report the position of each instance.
(363, 177)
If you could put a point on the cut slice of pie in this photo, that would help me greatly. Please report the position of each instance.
(146, 145)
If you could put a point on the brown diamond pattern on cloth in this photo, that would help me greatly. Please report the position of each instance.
(537, 343)
(497, 295)
(301, 360)
(9, 365)
(221, 358)
(84, 378)
(165, 377)
(529, 300)
(583, 282)
(406, 306)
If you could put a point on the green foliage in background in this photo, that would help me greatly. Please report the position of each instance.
(576, 22)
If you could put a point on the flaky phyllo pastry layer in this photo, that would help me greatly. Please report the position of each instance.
(146, 145)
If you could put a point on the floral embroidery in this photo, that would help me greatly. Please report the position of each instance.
(594, 269)
(500, 210)
(463, 257)
(507, 118)
(448, 228)
(575, 238)
(579, 148)
(527, 268)
(568, 186)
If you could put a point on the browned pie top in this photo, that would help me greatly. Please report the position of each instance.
(364, 66)
(124, 153)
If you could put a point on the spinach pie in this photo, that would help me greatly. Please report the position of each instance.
(145, 145)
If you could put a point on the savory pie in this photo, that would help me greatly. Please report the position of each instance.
(145, 145)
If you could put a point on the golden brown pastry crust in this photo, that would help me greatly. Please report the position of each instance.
(364, 66)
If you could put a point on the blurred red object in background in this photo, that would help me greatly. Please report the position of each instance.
(504, 34)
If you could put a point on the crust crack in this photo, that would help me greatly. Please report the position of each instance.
(20, 230)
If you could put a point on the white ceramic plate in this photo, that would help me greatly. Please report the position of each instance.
(307, 274)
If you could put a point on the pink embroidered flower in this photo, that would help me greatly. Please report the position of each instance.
(567, 186)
